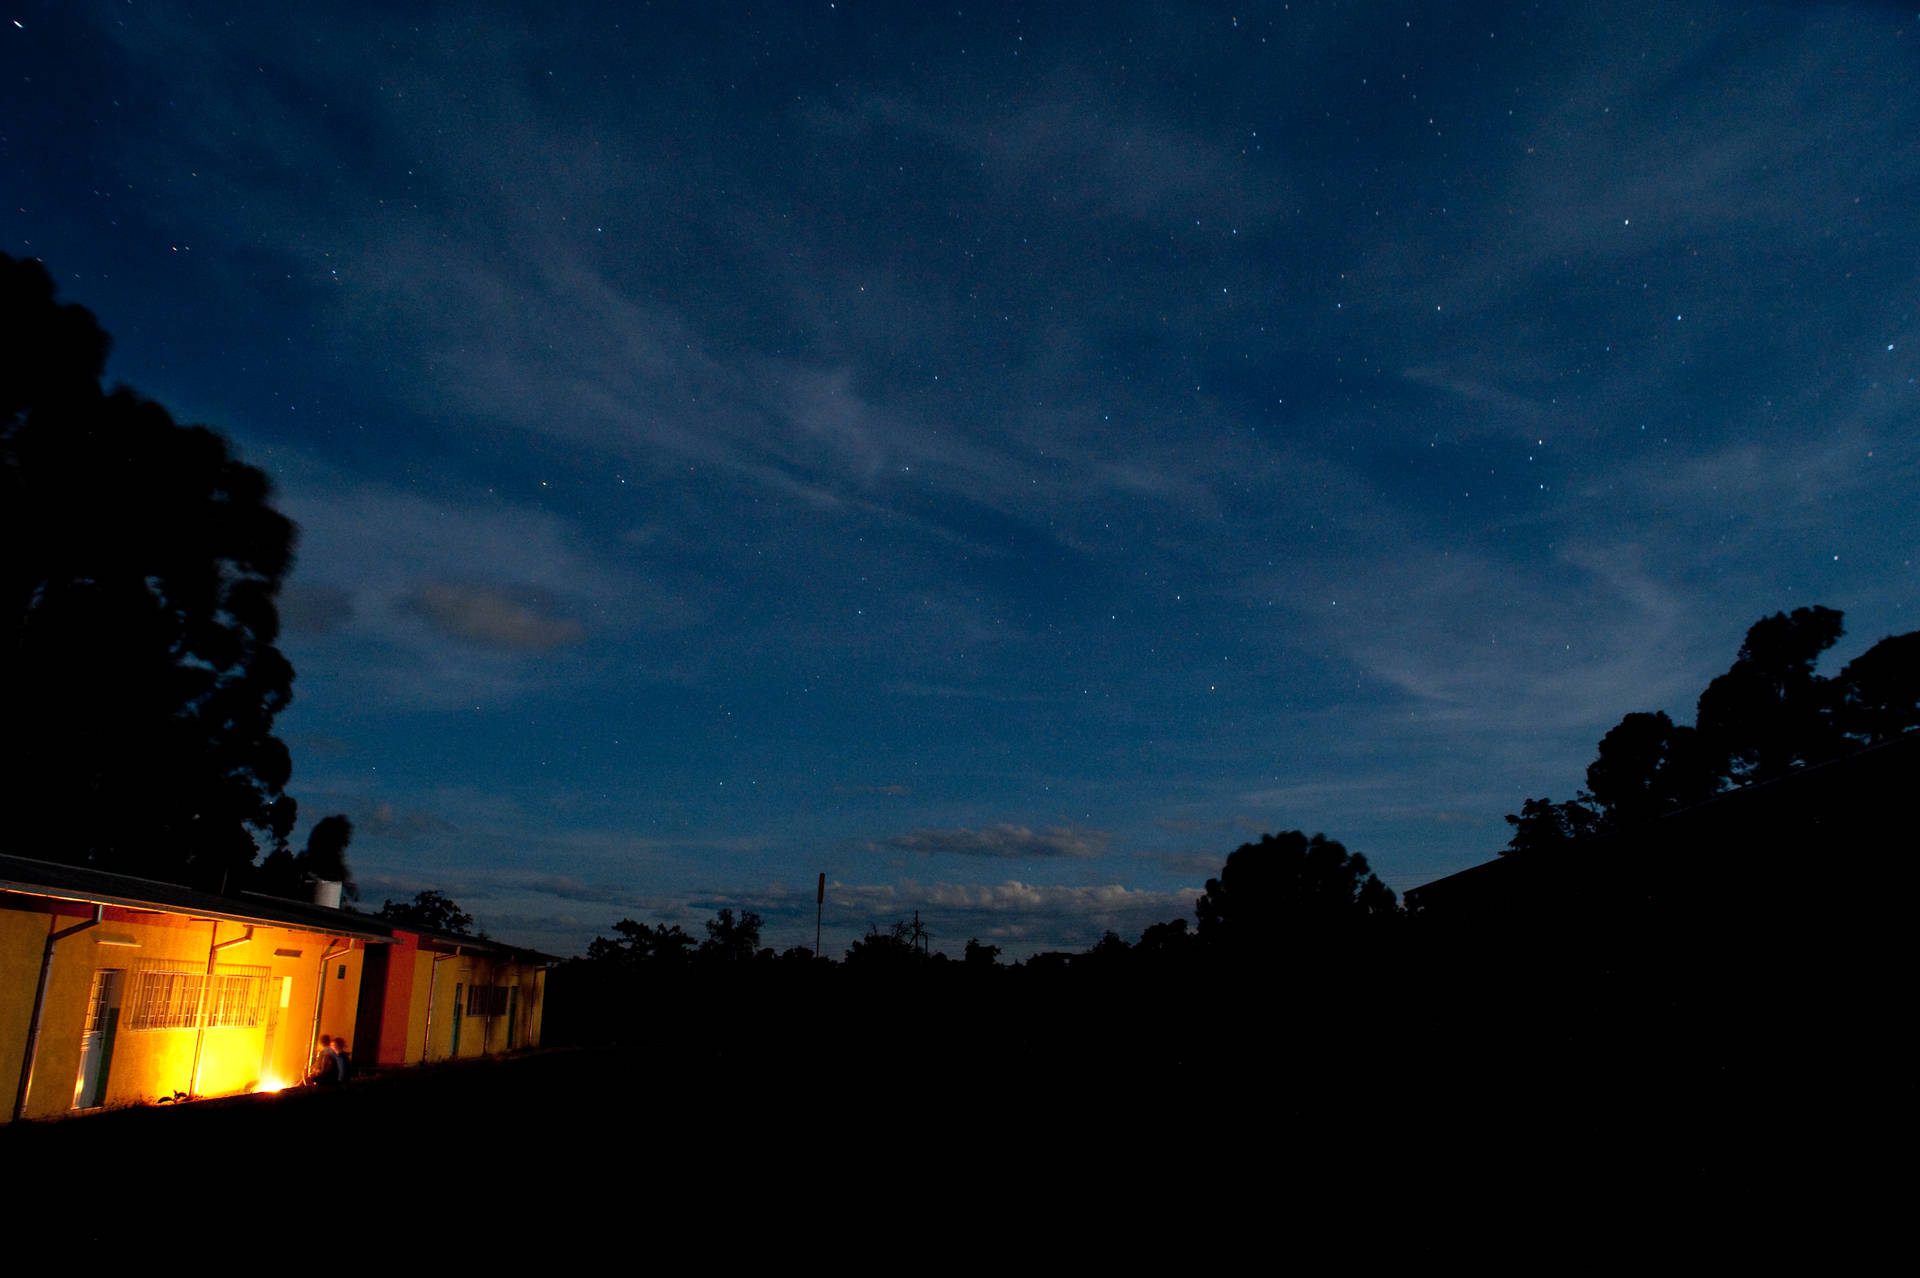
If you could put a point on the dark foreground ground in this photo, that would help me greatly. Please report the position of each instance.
(892, 1105)
(1148, 1121)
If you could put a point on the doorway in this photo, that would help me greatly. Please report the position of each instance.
(96, 1040)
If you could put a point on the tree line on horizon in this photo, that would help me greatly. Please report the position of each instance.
(1284, 889)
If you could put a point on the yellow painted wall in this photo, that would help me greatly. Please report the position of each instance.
(23, 933)
(454, 976)
(539, 998)
(340, 1002)
(492, 1029)
(527, 984)
(445, 974)
(480, 1035)
(417, 1010)
(462, 974)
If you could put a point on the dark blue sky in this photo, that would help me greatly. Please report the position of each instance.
(1002, 458)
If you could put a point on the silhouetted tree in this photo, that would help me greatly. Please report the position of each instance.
(1648, 767)
(1163, 942)
(978, 955)
(636, 943)
(1768, 713)
(731, 940)
(429, 912)
(1109, 951)
(1771, 711)
(1543, 825)
(1288, 886)
(1879, 691)
(894, 948)
(139, 562)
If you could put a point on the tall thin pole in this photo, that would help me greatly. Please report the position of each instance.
(819, 905)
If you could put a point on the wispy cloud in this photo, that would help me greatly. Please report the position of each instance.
(1115, 163)
(1015, 842)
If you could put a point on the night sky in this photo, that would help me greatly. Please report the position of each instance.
(1001, 456)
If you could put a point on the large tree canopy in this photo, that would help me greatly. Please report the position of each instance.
(1648, 765)
(1767, 714)
(1771, 712)
(429, 911)
(1880, 691)
(1286, 887)
(139, 562)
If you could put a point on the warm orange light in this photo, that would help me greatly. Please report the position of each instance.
(271, 1084)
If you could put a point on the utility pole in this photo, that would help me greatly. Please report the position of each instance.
(819, 904)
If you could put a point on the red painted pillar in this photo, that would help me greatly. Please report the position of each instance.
(396, 997)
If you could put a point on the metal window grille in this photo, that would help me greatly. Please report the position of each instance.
(238, 997)
(175, 995)
(165, 996)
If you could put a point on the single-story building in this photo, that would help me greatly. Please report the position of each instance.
(117, 990)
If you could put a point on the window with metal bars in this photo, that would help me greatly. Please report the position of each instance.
(487, 1000)
(175, 995)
